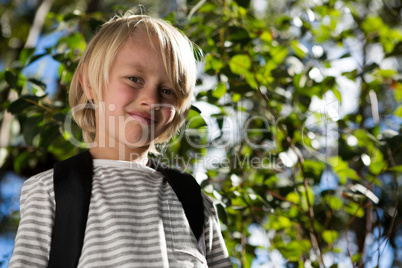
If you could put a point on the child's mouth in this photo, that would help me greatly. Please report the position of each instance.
(142, 118)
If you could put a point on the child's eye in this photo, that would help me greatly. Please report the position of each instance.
(167, 91)
(168, 95)
(135, 79)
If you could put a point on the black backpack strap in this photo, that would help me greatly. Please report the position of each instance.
(188, 192)
(72, 181)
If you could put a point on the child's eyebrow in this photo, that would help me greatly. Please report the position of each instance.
(137, 66)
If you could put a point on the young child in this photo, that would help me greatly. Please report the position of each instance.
(132, 89)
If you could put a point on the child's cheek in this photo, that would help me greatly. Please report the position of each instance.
(127, 94)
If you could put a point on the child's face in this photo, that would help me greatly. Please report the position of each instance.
(139, 102)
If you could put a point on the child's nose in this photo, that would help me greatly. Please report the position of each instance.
(149, 97)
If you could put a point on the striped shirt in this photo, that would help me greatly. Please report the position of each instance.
(134, 220)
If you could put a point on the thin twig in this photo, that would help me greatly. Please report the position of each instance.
(195, 8)
(38, 104)
(284, 199)
(38, 22)
(243, 244)
(379, 238)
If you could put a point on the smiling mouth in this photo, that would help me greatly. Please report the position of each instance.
(142, 118)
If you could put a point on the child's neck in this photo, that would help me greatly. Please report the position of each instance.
(123, 154)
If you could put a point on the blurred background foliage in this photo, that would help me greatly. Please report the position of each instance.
(299, 137)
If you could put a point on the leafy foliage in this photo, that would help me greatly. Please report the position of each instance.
(311, 176)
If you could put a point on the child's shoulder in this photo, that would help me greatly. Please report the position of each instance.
(42, 179)
(173, 173)
(43, 176)
(209, 202)
(37, 185)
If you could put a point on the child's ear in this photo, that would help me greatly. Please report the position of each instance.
(86, 86)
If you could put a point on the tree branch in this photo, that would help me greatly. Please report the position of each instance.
(37, 24)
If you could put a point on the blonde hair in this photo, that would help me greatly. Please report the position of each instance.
(95, 64)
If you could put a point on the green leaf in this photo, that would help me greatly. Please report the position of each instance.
(294, 249)
(364, 137)
(342, 170)
(74, 41)
(299, 49)
(11, 79)
(314, 168)
(322, 33)
(334, 202)
(195, 120)
(38, 83)
(398, 92)
(350, 75)
(59, 117)
(293, 212)
(18, 106)
(266, 37)
(337, 94)
(222, 213)
(243, 3)
(238, 34)
(330, 236)
(357, 257)
(250, 79)
(354, 209)
(94, 24)
(25, 54)
(293, 197)
(310, 196)
(21, 161)
(398, 111)
(207, 8)
(240, 64)
(31, 127)
(345, 174)
(387, 73)
(376, 167)
(284, 21)
(71, 16)
(346, 55)
(372, 24)
(279, 222)
(48, 134)
(369, 68)
(194, 108)
(278, 54)
(35, 57)
(396, 168)
(397, 51)
(212, 63)
(236, 97)
(219, 91)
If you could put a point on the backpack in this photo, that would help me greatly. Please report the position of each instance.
(72, 179)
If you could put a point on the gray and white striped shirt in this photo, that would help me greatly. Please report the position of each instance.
(134, 220)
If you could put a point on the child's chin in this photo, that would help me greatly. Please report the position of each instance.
(135, 141)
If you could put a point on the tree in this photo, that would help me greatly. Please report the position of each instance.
(282, 153)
